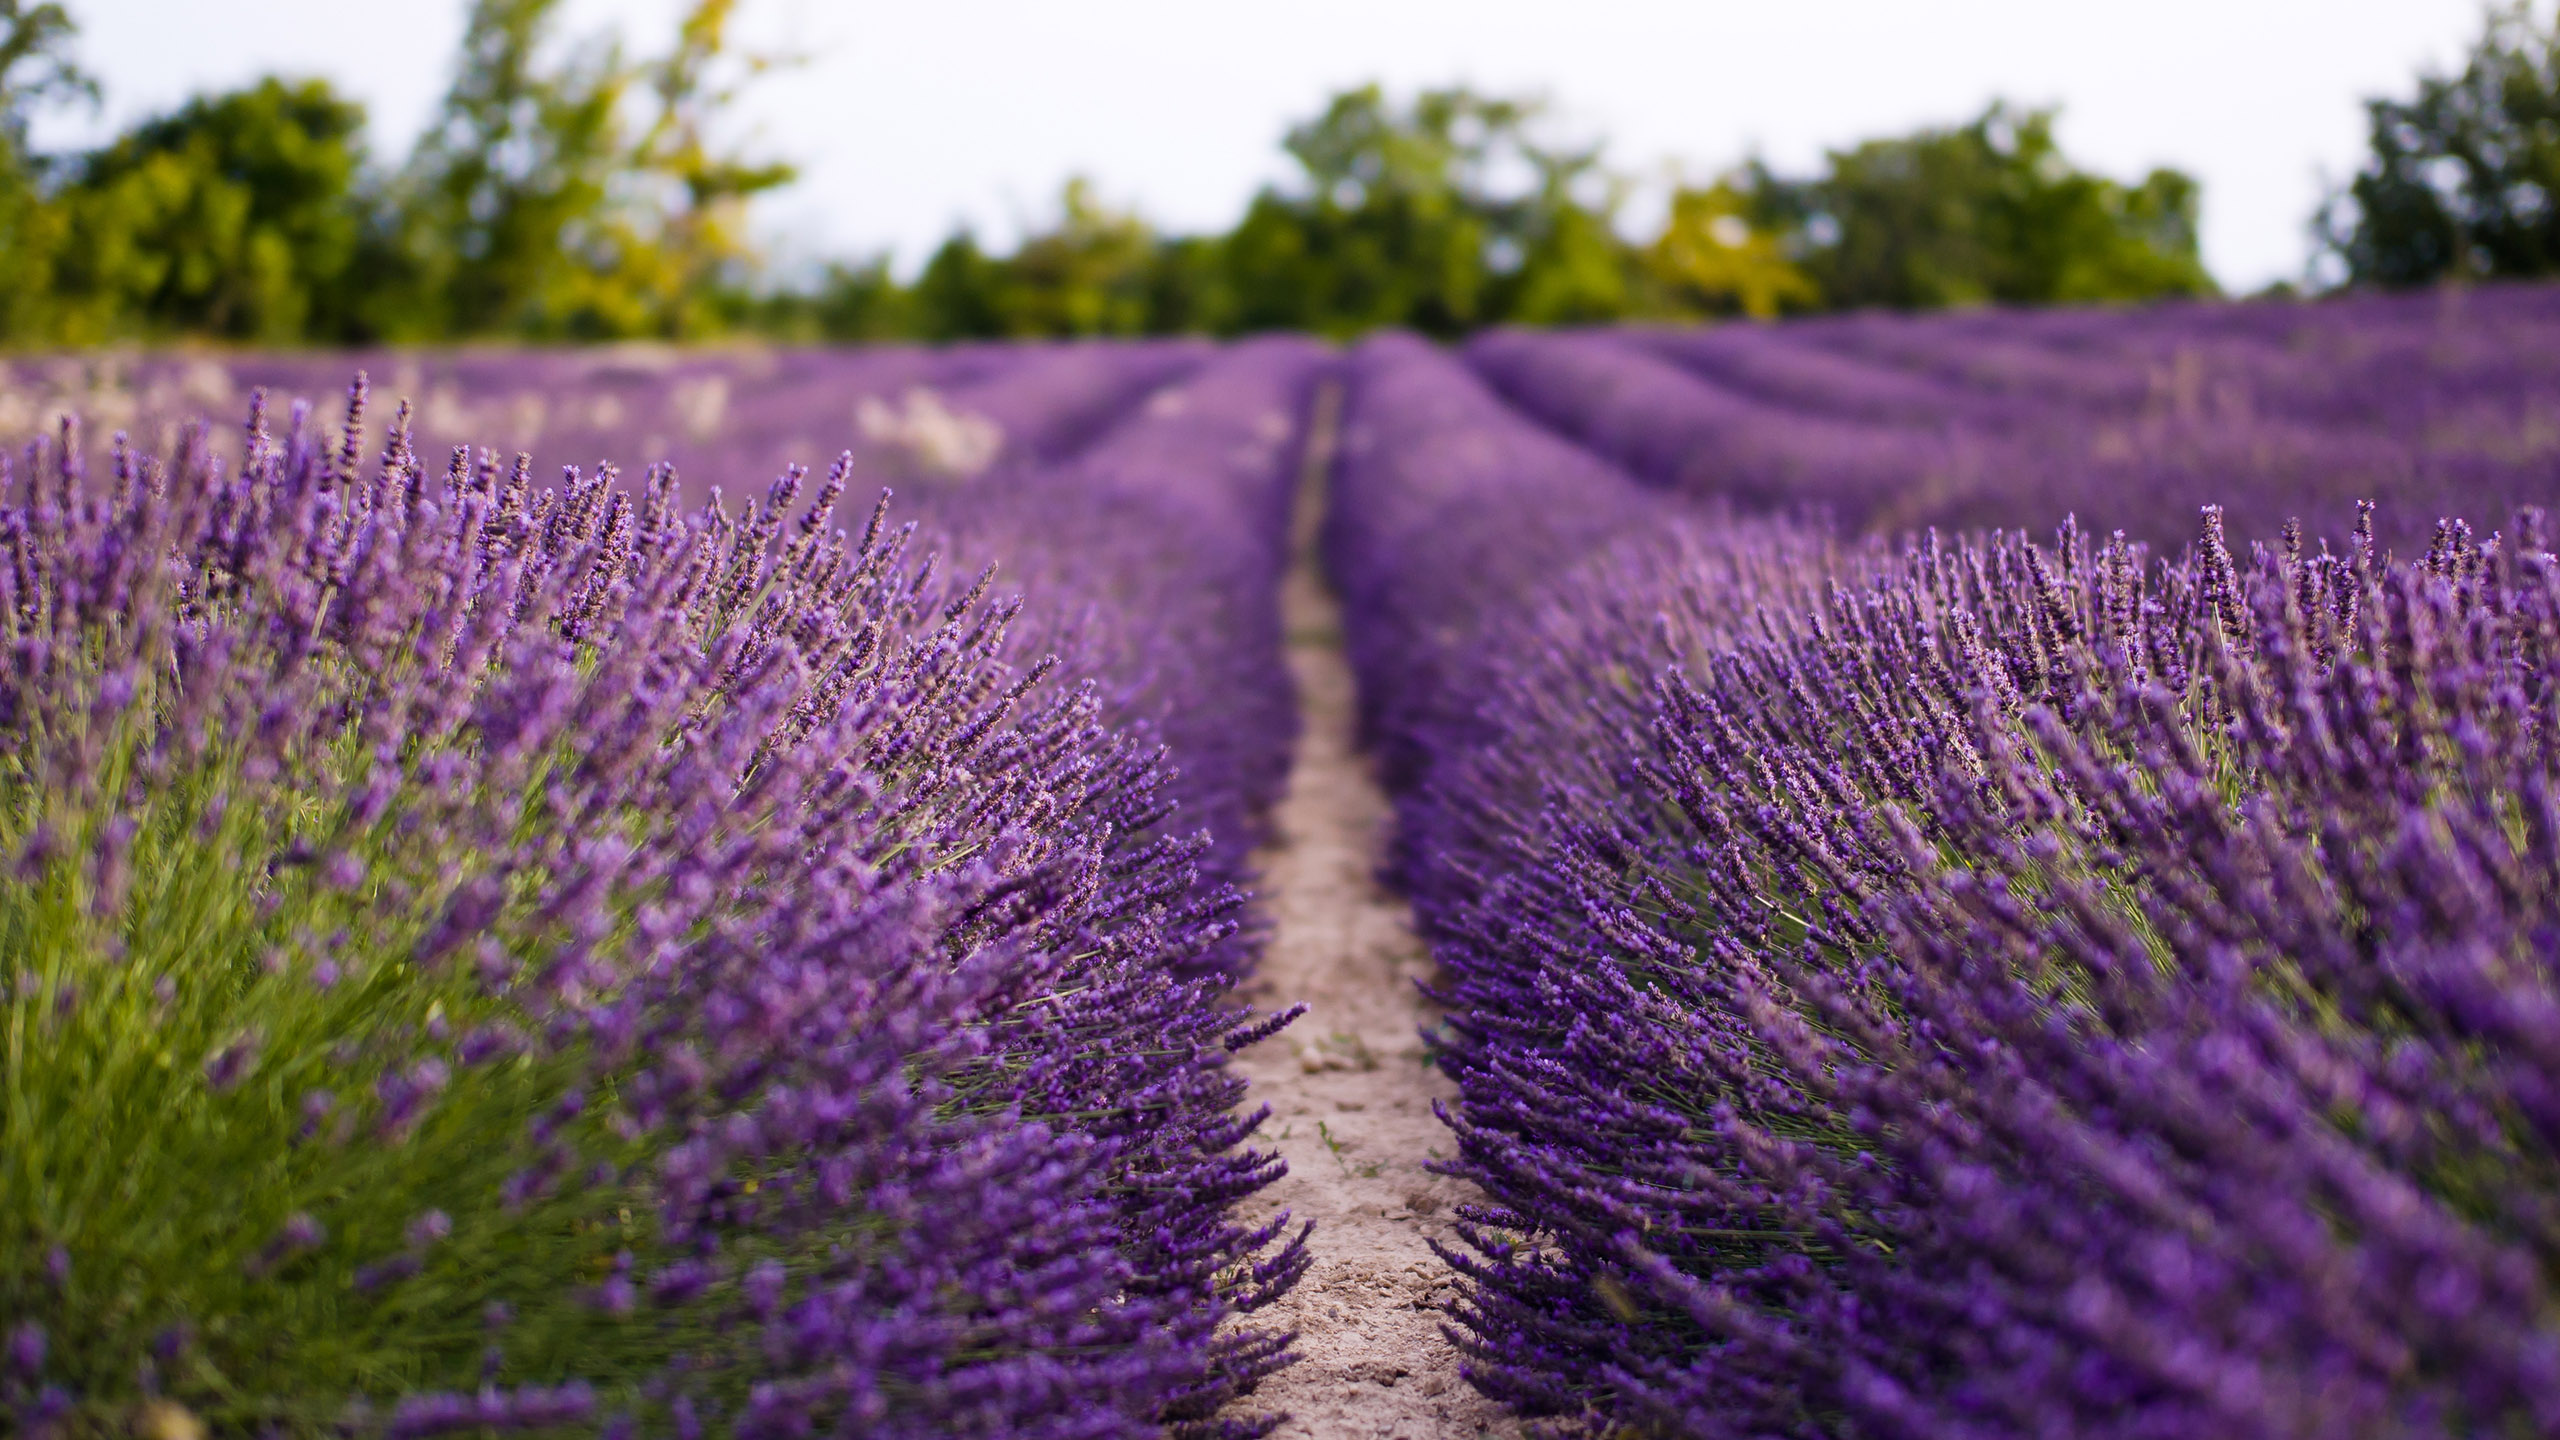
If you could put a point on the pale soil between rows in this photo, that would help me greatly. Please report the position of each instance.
(1349, 1092)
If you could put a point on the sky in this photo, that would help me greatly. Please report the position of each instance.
(908, 119)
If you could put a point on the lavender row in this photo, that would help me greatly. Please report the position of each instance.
(2441, 368)
(1992, 988)
(1886, 423)
(1154, 554)
(1495, 504)
(725, 417)
(1687, 435)
(628, 964)
(1157, 551)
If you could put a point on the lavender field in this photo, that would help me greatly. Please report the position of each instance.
(1984, 875)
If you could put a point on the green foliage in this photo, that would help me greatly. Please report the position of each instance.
(235, 217)
(504, 215)
(35, 66)
(1088, 276)
(1711, 260)
(36, 70)
(849, 302)
(1987, 211)
(1441, 216)
(567, 191)
(534, 208)
(2463, 180)
(564, 192)
(1453, 212)
(961, 292)
(700, 248)
(214, 1007)
(1093, 273)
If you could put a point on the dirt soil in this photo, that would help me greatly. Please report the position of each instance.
(1349, 1093)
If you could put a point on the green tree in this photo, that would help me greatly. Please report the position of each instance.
(960, 295)
(533, 207)
(234, 216)
(1188, 289)
(1096, 271)
(1574, 269)
(1711, 260)
(2463, 180)
(1088, 275)
(1986, 211)
(1443, 215)
(850, 302)
(36, 70)
(699, 252)
(503, 216)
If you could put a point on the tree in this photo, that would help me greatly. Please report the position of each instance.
(504, 209)
(531, 207)
(1443, 215)
(1097, 271)
(2463, 180)
(1573, 268)
(1711, 260)
(233, 216)
(1088, 275)
(700, 243)
(36, 70)
(1986, 211)
(852, 302)
(960, 295)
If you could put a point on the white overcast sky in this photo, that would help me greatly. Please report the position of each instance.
(912, 117)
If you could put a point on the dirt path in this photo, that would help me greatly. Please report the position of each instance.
(1349, 1094)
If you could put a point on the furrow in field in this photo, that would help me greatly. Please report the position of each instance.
(1348, 1085)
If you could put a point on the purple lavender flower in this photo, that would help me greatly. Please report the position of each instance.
(1967, 987)
(821, 912)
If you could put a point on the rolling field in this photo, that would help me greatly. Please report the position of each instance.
(1994, 874)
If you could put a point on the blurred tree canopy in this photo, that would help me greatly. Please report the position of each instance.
(1457, 211)
(36, 71)
(1712, 259)
(1987, 211)
(534, 207)
(564, 191)
(2463, 179)
(1443, 215)
(228, 217)
(569, 190)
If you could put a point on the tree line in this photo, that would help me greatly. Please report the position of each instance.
(568, 189)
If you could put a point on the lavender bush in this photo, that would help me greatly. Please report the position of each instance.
(1432, 465)
(1993, 988)
(1160, 549)
(2432, 406)
(2217, 897)
(498, 957)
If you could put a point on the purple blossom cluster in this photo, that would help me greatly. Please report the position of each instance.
(2430, 405)
(1974, 987)
(496, 955)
